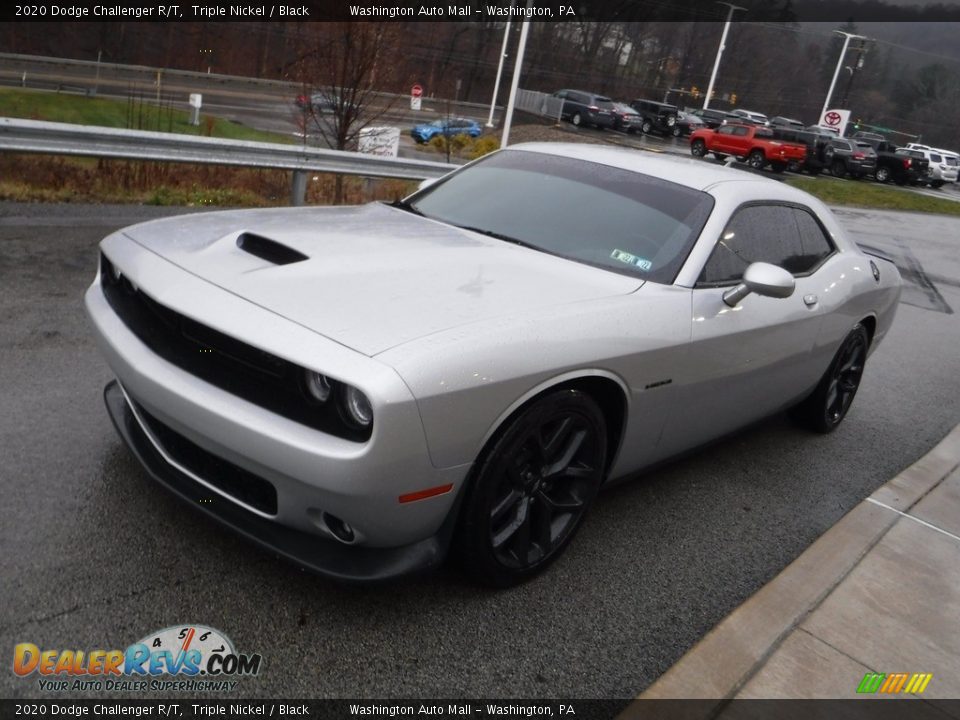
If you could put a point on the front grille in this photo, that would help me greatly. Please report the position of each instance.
(243, 370)
(233, 480)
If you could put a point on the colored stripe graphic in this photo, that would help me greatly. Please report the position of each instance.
(871, 682)
(893, 683)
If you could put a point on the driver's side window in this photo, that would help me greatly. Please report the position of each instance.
(782, 235)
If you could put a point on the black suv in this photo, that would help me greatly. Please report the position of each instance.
(583, 108)
(850, 155)
(715, 118)
(655, 115)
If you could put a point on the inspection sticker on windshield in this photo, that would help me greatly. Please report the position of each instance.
(629, 259)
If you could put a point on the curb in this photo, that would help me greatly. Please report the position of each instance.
(718, 666)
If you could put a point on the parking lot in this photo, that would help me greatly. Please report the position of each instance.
(97, 556)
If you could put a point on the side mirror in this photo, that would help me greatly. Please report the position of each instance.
(763, 279)
(424, 184)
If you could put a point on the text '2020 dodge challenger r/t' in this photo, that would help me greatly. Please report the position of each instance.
(361, 389)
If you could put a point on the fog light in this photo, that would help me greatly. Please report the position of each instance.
(356, 406)
(318, 386)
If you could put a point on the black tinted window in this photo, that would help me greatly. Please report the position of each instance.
(778, 234)
(740, 130)
(726, 130)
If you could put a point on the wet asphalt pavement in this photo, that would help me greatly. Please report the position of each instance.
(97, 556)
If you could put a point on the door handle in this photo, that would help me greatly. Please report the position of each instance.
(810, 300)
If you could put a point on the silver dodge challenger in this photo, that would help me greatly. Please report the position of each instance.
(366, 390)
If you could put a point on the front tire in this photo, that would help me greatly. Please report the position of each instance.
(825, 409)
(698, 148)
(531, 488)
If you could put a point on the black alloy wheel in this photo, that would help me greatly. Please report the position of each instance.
(698, 148)
(646, 127)
(838, 168)
(532, 488)
(825, 409)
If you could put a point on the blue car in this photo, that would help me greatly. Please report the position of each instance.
(448, 127)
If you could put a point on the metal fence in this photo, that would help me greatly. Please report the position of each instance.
(33, 136)
(538, 103)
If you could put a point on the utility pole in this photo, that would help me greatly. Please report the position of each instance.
(846, 42)
(496, 85)
(723, 42)
(508, 117)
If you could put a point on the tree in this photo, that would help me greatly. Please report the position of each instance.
(345, 65)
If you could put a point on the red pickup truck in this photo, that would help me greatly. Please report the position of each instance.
(754, 144)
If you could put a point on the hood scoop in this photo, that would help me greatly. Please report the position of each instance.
(269, 250)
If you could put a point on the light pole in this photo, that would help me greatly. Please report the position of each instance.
(496, 85)
(723, 41)
(508, 116)
(846, 42)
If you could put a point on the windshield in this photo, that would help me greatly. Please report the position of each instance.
(616, 219)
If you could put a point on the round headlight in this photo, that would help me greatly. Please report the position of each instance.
(357, 407)
(318, 386)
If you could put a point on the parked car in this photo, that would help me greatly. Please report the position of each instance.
(784, 122)
(849, 156)
(446, 127)
(902, 165)
(750, 116)
(756, 145)
(584, 108)
(625, 118)
(952, 160)
(359, 388)
(715, 118)
(816, 141)
(687, 123)
(655, 116)
(939, 171)
(318, 102)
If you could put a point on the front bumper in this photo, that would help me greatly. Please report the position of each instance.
(325, 557)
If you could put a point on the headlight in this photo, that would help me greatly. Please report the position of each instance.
(356, 407)
(318, 386)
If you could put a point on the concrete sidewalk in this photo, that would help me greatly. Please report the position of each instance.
(878, 593)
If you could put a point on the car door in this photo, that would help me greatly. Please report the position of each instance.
(723, 140)
(752, 359)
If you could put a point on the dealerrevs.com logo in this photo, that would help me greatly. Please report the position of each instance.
(186, 658)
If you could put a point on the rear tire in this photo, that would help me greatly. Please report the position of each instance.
(838, 169)
(646, 127)
(756, 160)
(577, 119)
(677, 131)
(883, 174)
(826, 408)
(532, 487)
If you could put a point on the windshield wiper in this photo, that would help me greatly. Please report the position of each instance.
(408, 206)
(499, 236)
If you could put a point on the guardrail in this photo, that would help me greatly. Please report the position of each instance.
(34, 136)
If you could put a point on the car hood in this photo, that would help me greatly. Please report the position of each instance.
(374, 276)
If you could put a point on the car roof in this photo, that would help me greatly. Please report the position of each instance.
(689, 172)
